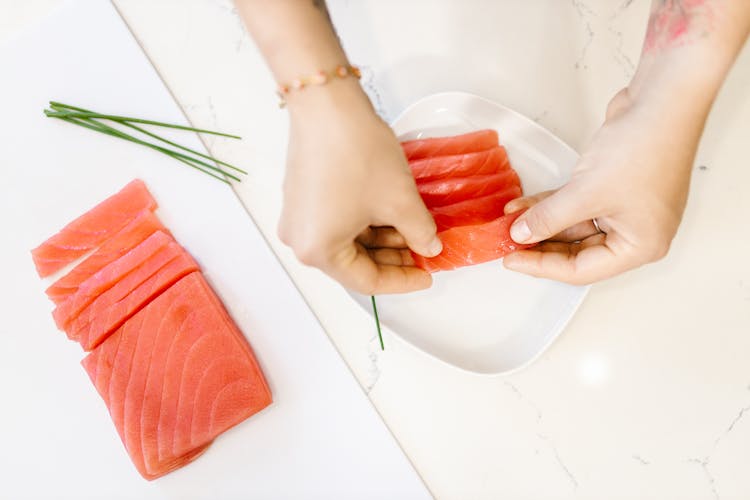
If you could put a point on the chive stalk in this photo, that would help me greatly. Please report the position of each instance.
(95, 121)
(66, 109)
(377, 322)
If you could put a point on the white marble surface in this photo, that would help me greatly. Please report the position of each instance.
(647, 392)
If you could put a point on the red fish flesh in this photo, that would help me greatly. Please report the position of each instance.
(92, 228)
(175, 376)
(454, 145)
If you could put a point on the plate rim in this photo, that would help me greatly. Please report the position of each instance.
(469, 95)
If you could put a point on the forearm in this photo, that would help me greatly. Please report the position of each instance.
(690, 46)
(295, 36)
(297, 40)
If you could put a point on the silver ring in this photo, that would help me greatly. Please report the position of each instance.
(596, 226)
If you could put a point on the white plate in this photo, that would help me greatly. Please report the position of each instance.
(485, 319)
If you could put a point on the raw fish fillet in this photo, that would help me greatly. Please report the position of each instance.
(140, 228)
(155, 264)
(175, 376)
(108, 312)
(486, 162)
(92, 228)
(469, 245)
(474, 211)
(480, 140)
(111, 275)
(454, 190)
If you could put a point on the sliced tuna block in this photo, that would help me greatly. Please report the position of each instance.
(480, 140)
(491, 161)
(474, 211)
(108, 312)
(132, 262)
(469, 245)
(123, 288)
(92, 228)
(140, 228)
(448, 191)
(175, 376)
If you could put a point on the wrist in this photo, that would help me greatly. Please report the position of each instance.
(345, 95)
(687, 77)
(676, 90)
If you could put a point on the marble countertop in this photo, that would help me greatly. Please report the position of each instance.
(647, 392)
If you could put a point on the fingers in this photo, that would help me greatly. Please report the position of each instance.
(525, 202)
(578, 263)
(379, 271)
(391, 256)
(417, 226)
(378, 262)
(381, 237)
(400, 279)
(577, 232)
(551, 214)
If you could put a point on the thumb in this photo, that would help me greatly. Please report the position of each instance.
(416, 225)
(550, 216)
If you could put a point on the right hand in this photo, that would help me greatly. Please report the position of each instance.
(351, 206)
(633, 178)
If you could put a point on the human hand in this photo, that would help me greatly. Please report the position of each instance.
(633, 179)
(351, 207)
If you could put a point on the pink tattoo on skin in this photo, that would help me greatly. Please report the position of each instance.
(676, 22)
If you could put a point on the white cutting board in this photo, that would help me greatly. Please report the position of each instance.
(321, 438)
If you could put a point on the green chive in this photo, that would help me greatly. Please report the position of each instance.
(174, 154)
(377, 322)
(108, 131)
(197, 153)
(61, 110)
(91, 120)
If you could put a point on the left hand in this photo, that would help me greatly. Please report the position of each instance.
(633, 178)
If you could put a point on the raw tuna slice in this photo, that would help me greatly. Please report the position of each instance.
(106, 315)
(123, 288)
(143, 226)
(92, 228)
(468, 245)
(448, 191)
(486, 162)
(476, 211)
(112, 274)
(175, 376)
(480, 140)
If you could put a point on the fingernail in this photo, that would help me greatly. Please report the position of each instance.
(509, 262)
(436, 246)
(520, 231)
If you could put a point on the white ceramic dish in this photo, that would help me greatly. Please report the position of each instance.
(485, 319)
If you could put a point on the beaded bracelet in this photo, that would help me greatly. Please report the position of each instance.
(318, 78)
